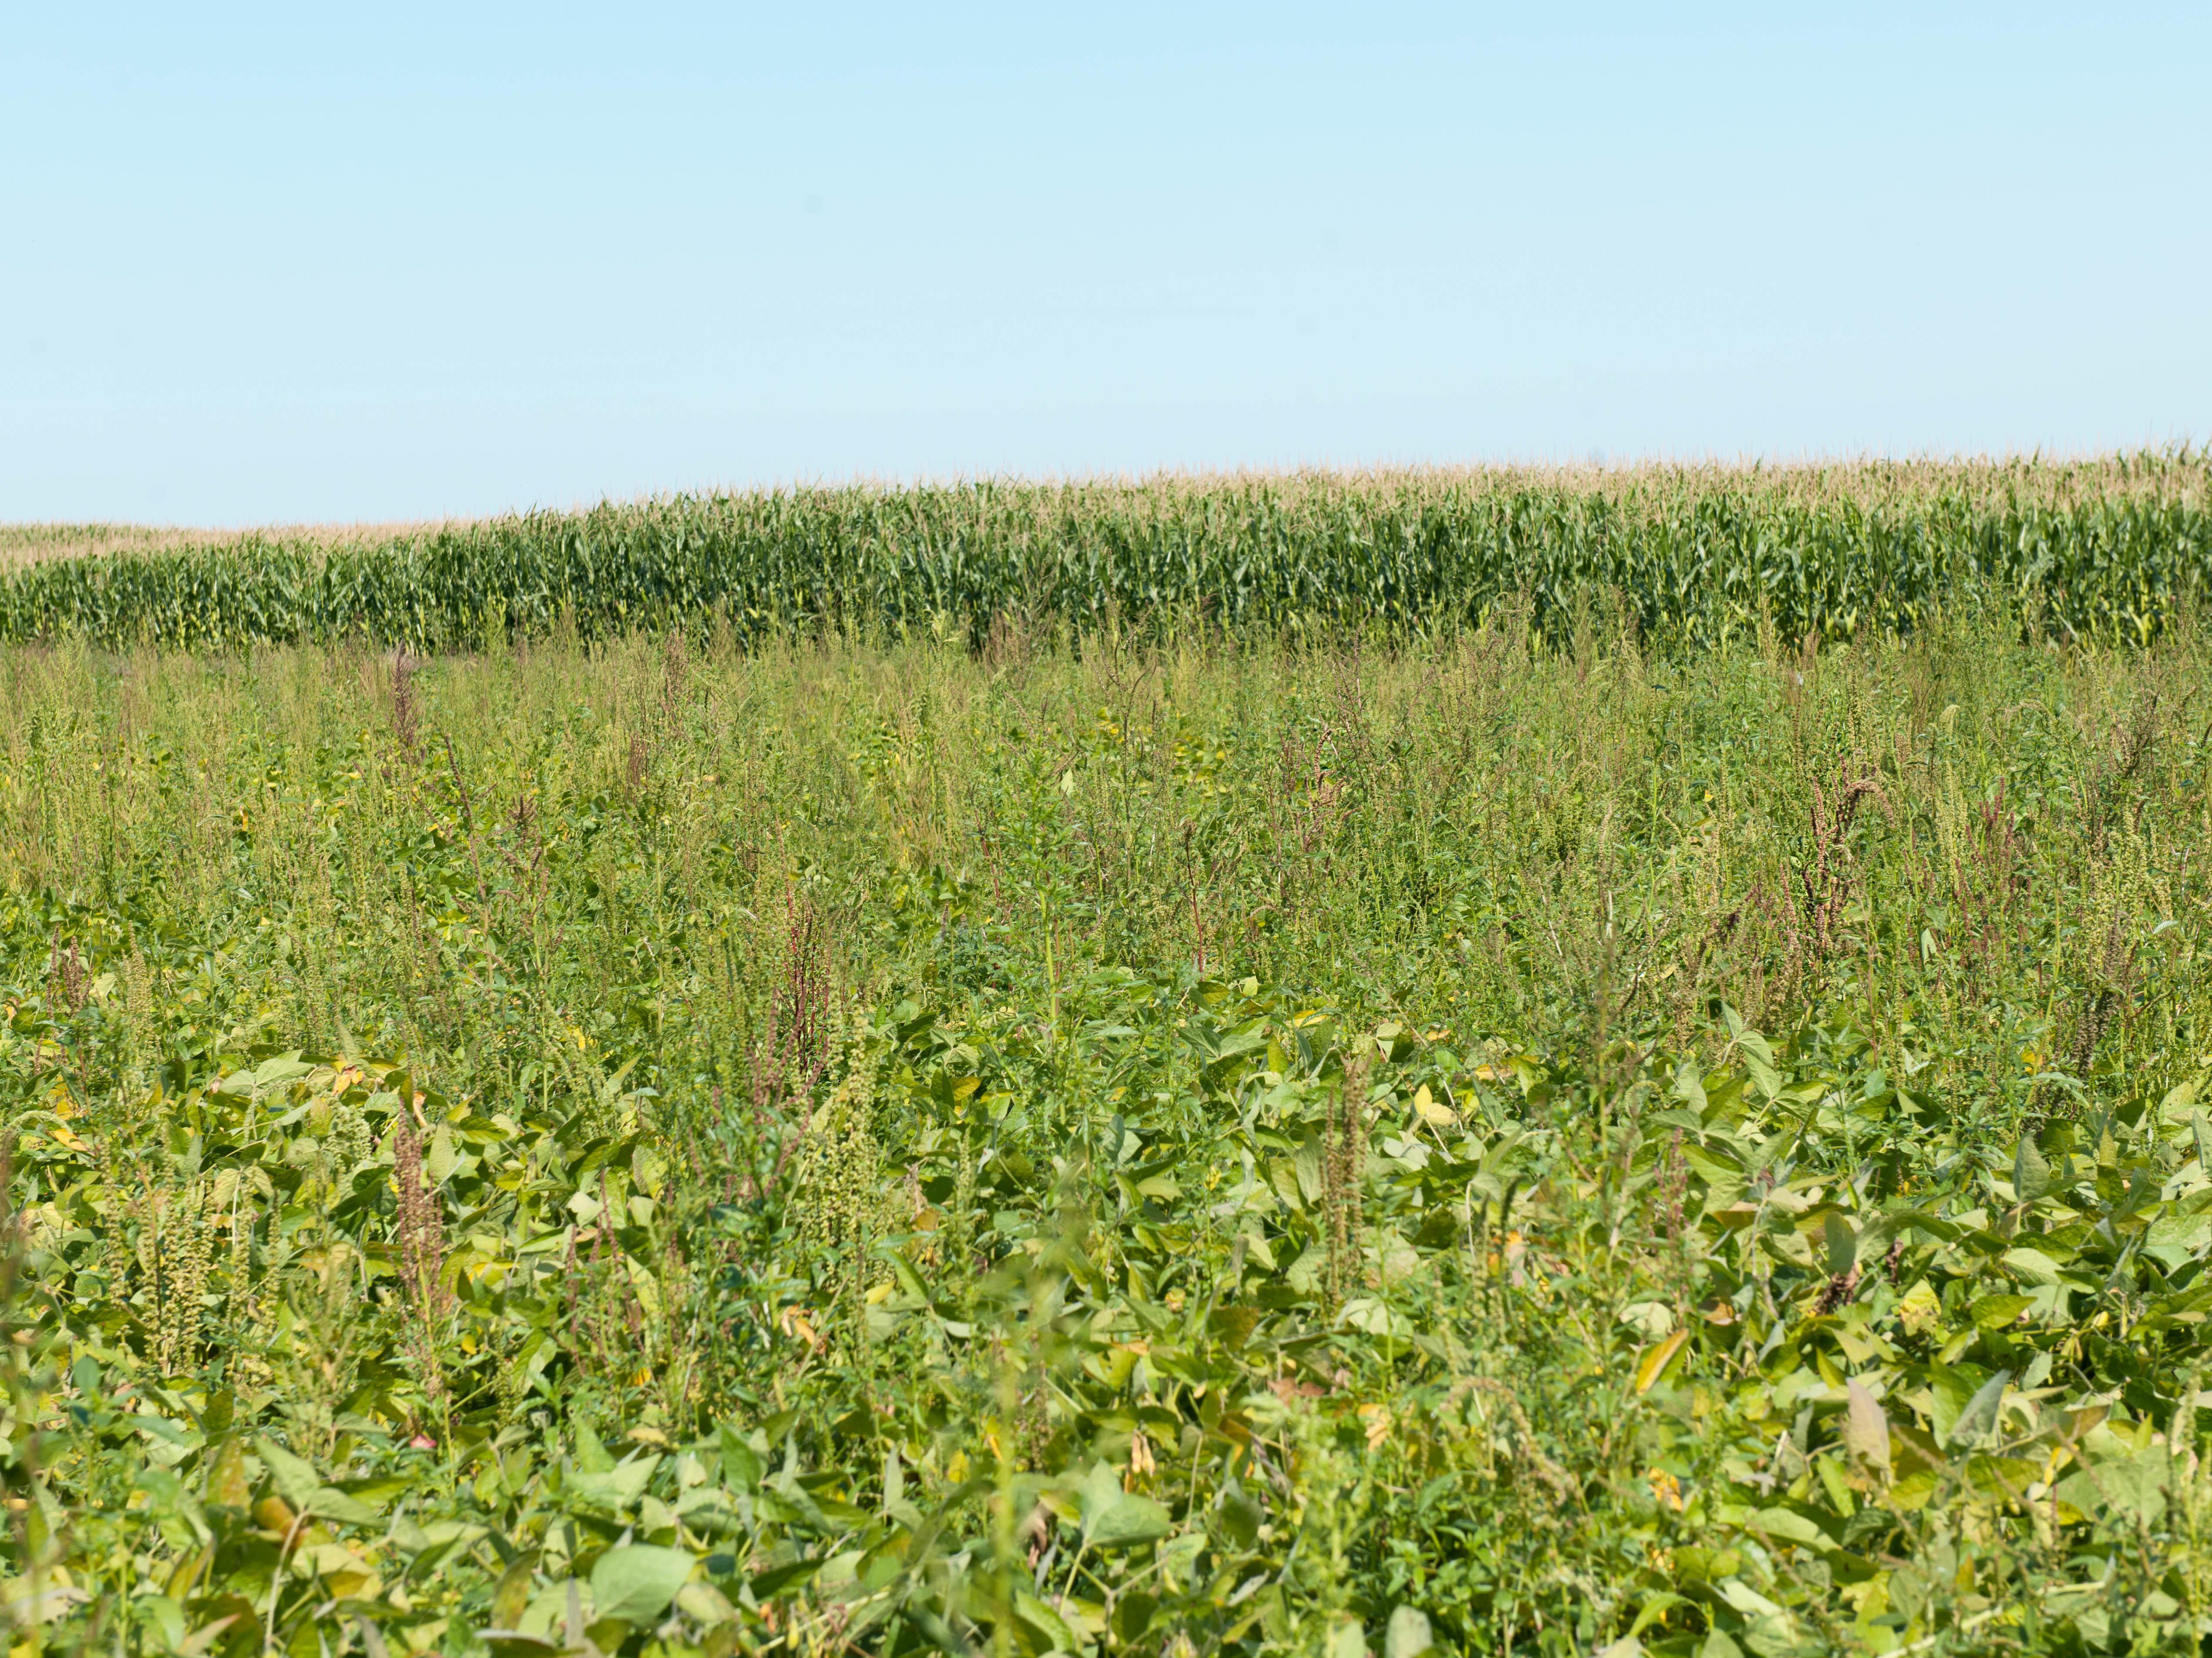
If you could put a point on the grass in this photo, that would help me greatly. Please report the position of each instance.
(1125, 1143)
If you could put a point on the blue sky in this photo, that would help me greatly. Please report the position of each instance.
(305, 262)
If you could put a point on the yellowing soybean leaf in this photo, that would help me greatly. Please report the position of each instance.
(1866, 1426)
(1656, 1359)
(1919, 1310)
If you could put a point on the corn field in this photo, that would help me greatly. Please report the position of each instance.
(2107, 549)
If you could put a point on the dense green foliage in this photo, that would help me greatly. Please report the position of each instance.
(658, 1147)
(2105, 550)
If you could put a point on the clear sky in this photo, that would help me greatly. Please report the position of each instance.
(301, 262)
